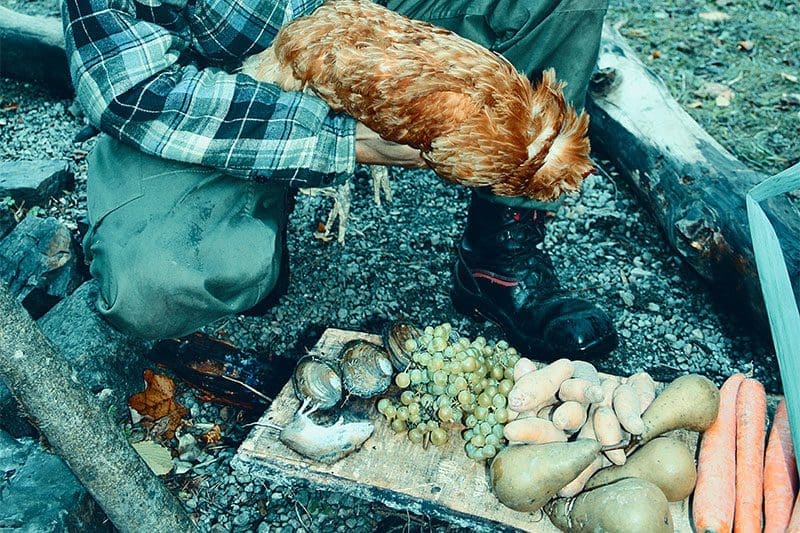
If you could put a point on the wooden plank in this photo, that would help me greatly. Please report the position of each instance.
(440, 482)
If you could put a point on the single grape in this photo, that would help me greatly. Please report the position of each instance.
(382, 404)
(505, 386)
(501, 415)
(488, 451)
(398, 425)
(445, 413)
(471, 421)
(402, 413)
(402, 380)
(497, 431)
(478, 440)
(407, 397)
(484, 399)
(438, 437)
(499, 401)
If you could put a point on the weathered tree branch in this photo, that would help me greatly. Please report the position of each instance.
(32, 48)
(692, 186)
(83, 435)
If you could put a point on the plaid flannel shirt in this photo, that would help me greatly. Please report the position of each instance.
(154, 74)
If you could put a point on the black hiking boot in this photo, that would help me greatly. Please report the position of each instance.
(503, 275)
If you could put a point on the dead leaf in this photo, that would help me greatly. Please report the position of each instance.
(714, 16)
(745, 45)
(157, 404)
(9, 106)
(724, 99)
(789, 77)
(157, 457)
(696, 104)
(713, 89)
(212, 436)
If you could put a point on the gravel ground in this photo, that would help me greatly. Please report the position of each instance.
(396, 263)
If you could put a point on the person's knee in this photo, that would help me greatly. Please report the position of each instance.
(142, 304)
(157, 298)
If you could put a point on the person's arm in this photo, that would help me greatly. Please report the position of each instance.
(131, 81)
(371, 149)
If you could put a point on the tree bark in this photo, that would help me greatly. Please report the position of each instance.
(32, 49)
(84, 436)
(693, 187)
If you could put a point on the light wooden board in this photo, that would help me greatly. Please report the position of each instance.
(440, 482)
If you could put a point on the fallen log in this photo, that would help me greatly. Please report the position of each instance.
(84, 435)
(32, 49)
(693, 187)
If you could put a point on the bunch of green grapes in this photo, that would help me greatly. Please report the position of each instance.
(453, 380)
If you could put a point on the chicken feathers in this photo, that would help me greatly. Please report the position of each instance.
(475, 119)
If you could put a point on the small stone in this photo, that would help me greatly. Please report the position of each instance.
(34, 182)
(652, 306)
(242, 519)
(41, 263)
(627, 298)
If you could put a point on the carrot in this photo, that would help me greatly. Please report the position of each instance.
(794, 522)
(576, 485)
(751, 418)
(608, 385)
(535, 388)
(546, 412)
(627, 408)
(645, 388)
(609, 433)
(533, 430)
(569, 416)
(715, 492)
(586, 370)
(523, 366)
(580, 390)
(780, 473)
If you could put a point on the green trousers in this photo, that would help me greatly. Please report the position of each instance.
(176, 246)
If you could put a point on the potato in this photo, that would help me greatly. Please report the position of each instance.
(665, 462)
(625, 506)
(525, 476)
(690, 402)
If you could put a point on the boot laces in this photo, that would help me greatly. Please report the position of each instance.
(527, 257)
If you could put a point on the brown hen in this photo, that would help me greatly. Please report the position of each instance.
(475, 119)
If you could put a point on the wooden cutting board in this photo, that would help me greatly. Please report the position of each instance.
(439, 481)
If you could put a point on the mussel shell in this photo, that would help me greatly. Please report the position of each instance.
(318, 380)
(366, 368)
(394, 337)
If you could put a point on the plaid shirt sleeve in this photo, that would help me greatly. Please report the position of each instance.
(134, 74)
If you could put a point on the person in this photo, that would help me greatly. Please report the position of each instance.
(190, 184)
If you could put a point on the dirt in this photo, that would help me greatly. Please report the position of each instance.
(733, 65)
